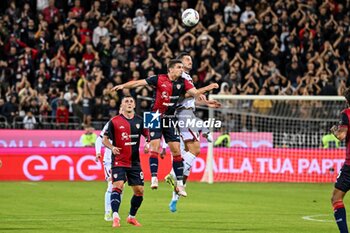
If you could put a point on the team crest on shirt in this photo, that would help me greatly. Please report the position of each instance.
(178, 86)
(137, 126)
(115, 176)
(152, 134)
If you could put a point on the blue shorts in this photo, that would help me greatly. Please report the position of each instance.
(133, 175)
(167, 129)
(343, 179)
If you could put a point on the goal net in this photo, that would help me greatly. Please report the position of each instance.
(275, 139)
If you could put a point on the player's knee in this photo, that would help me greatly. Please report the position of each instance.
(335, 199)
(195, 151)
(176, 152)
(138, 192)
(117, 187)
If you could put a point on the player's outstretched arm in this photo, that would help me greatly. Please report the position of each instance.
(196, 94)
(202, 99)
(209, 103)
(205, 89)
(339, 131)
(130, 85)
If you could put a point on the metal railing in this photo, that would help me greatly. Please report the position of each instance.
(48, 122)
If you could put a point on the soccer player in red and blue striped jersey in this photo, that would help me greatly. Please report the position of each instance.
(168, 89)
(125, 131)
(342, 185)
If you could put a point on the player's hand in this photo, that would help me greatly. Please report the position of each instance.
(213, 104)
(202, 98)
(0, 163)
(214, 86)
(116, 150)
(117, 88)
(334, 129)
(162, 153)
(97, 157)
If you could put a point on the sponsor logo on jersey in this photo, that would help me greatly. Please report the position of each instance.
(130, 143)
(165, 95)
(125, 136)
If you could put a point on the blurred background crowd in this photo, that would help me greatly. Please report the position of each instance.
(58, 59)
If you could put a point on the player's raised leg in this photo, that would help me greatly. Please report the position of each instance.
(189, 156)
(178, 167)
(170, 179)
(153, 162)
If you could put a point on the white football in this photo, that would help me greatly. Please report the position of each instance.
(190, 17)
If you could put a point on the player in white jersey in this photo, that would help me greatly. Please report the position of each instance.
(107, 161)
(189, 135)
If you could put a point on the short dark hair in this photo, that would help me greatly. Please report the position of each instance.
(181, 55)
(347, 95)
(173, 62)
(128, 96)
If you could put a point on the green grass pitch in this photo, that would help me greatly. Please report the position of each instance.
(221, 207)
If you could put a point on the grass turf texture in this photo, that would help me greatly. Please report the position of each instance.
(221, 207)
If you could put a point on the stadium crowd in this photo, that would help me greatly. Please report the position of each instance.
(58, 59)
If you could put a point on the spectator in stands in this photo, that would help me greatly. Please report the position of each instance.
(10, 109)
(285, 47)
(62, 116)
(29, 121)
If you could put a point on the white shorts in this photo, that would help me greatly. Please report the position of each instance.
(107, 167)
(187, 133)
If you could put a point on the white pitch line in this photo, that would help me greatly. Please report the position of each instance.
(312, 218)
(39, 219)
(29, 183)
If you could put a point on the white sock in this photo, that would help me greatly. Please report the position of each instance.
(180, 183)
(173, 173)
(108, 207)
(130, 216)
(116, 215)
(189, 159)
(175, 197)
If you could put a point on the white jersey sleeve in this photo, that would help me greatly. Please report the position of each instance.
(98, 145)
(108, 153)
(187, 102)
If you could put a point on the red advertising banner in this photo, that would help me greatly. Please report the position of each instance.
(231, 164)
(276, 164)
(37, 164)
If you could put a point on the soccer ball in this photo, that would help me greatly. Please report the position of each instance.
(190, 17)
